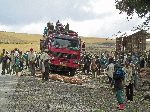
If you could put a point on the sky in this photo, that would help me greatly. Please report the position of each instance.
(96, 18)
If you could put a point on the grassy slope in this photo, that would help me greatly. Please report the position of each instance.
(12, 37)
(23, 41)
(96, 40)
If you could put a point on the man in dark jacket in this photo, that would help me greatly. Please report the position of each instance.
(87, 62)
(46, 73)
(5, 58)
(118, 86)
(142, 62)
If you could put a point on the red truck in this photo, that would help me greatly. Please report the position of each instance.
(64, 50)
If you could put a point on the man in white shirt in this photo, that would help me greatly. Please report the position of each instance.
(110, 70)
(32, 59)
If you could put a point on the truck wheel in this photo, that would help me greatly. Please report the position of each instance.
(72, 72)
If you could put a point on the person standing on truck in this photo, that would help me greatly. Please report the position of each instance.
(51, 27)
(32, 59)
(67, 28)
(59, 27)
(57, 22)
(45, 31)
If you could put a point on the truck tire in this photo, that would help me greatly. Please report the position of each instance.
(72, 72)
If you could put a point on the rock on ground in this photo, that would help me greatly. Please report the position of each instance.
(33, 95)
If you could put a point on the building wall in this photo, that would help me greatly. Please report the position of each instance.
(132, 43)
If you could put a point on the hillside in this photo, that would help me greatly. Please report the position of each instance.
(24, 41)
(13, 38)
(92, 40)
(18, 38)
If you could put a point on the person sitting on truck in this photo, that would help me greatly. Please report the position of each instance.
(45, 31)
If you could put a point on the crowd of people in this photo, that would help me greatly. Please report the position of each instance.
(16, 61)
(123, 71)
(59, 28)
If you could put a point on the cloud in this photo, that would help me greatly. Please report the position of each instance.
(99, 7)
(28, 11)
(88, 17)
(4, 28)
(100, 27)
(33, 28)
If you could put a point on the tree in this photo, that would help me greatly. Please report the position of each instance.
(141, 7)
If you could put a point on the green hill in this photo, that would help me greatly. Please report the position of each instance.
(24, 41)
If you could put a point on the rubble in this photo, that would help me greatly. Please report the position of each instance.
(34, 95)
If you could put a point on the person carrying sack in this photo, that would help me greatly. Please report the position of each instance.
(45, 65)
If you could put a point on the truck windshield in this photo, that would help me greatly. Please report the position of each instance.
(65, 43)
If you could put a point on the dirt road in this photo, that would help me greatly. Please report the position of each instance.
(30, 94)
(7, 87)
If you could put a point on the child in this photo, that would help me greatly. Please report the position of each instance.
(118, 86)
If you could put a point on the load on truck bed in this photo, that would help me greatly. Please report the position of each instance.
(63, 46)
